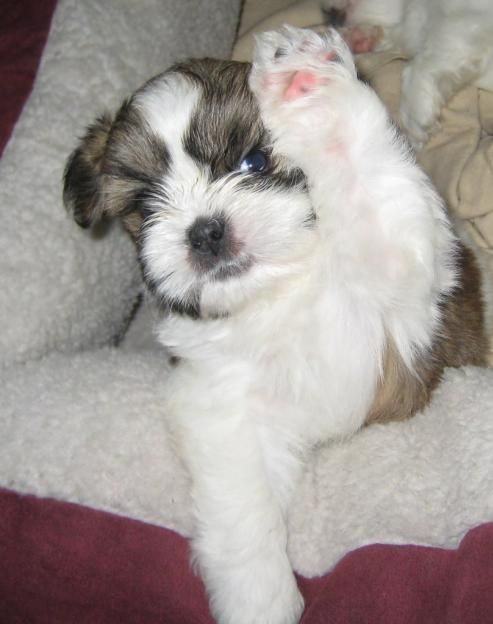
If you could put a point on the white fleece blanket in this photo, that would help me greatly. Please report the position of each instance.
(87, 426)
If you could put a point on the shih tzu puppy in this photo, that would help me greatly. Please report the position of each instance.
(308, 274)
(449, 42)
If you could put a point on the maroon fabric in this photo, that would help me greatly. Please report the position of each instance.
(67, 564)
(24, 27)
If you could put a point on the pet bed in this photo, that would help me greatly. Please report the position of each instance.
(80, 415)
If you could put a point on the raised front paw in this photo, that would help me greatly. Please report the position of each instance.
(293, 63)
(302, 81)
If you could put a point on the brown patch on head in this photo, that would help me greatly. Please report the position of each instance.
(115, 169)
(82, 191)
(136, 160)
(226, 124)
(462, 340)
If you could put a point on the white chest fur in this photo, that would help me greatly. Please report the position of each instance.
(306, 359)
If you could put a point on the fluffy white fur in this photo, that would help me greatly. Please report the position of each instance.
(290, 351)
(449, 42)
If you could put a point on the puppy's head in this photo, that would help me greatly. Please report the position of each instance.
(187, 165)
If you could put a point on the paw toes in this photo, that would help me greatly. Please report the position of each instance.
(292, 63)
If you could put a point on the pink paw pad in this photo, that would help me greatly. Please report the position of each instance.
(301, 83)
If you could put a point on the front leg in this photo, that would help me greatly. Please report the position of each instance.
(384, 235)
(320, 116)
(300, 79)
(333, 127)
(240, 535)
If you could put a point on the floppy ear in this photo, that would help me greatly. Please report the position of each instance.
(82, 188)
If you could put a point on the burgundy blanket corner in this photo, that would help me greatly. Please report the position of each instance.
(66, 564)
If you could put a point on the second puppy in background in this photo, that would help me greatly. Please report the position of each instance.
(449, 43)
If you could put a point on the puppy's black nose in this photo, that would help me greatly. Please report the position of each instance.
(206, 236)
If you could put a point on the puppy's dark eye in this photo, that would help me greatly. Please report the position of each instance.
(256, 161)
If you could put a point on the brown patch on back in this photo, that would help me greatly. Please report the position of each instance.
(400, 392)
(462, 340)
(464, 333)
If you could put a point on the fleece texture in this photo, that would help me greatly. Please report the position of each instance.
(63, 289)
(89, 428)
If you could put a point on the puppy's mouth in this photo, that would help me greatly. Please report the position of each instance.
(214, 251)
(232, 268)
(222, 269)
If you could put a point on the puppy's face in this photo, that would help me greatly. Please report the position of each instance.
(216, 215)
